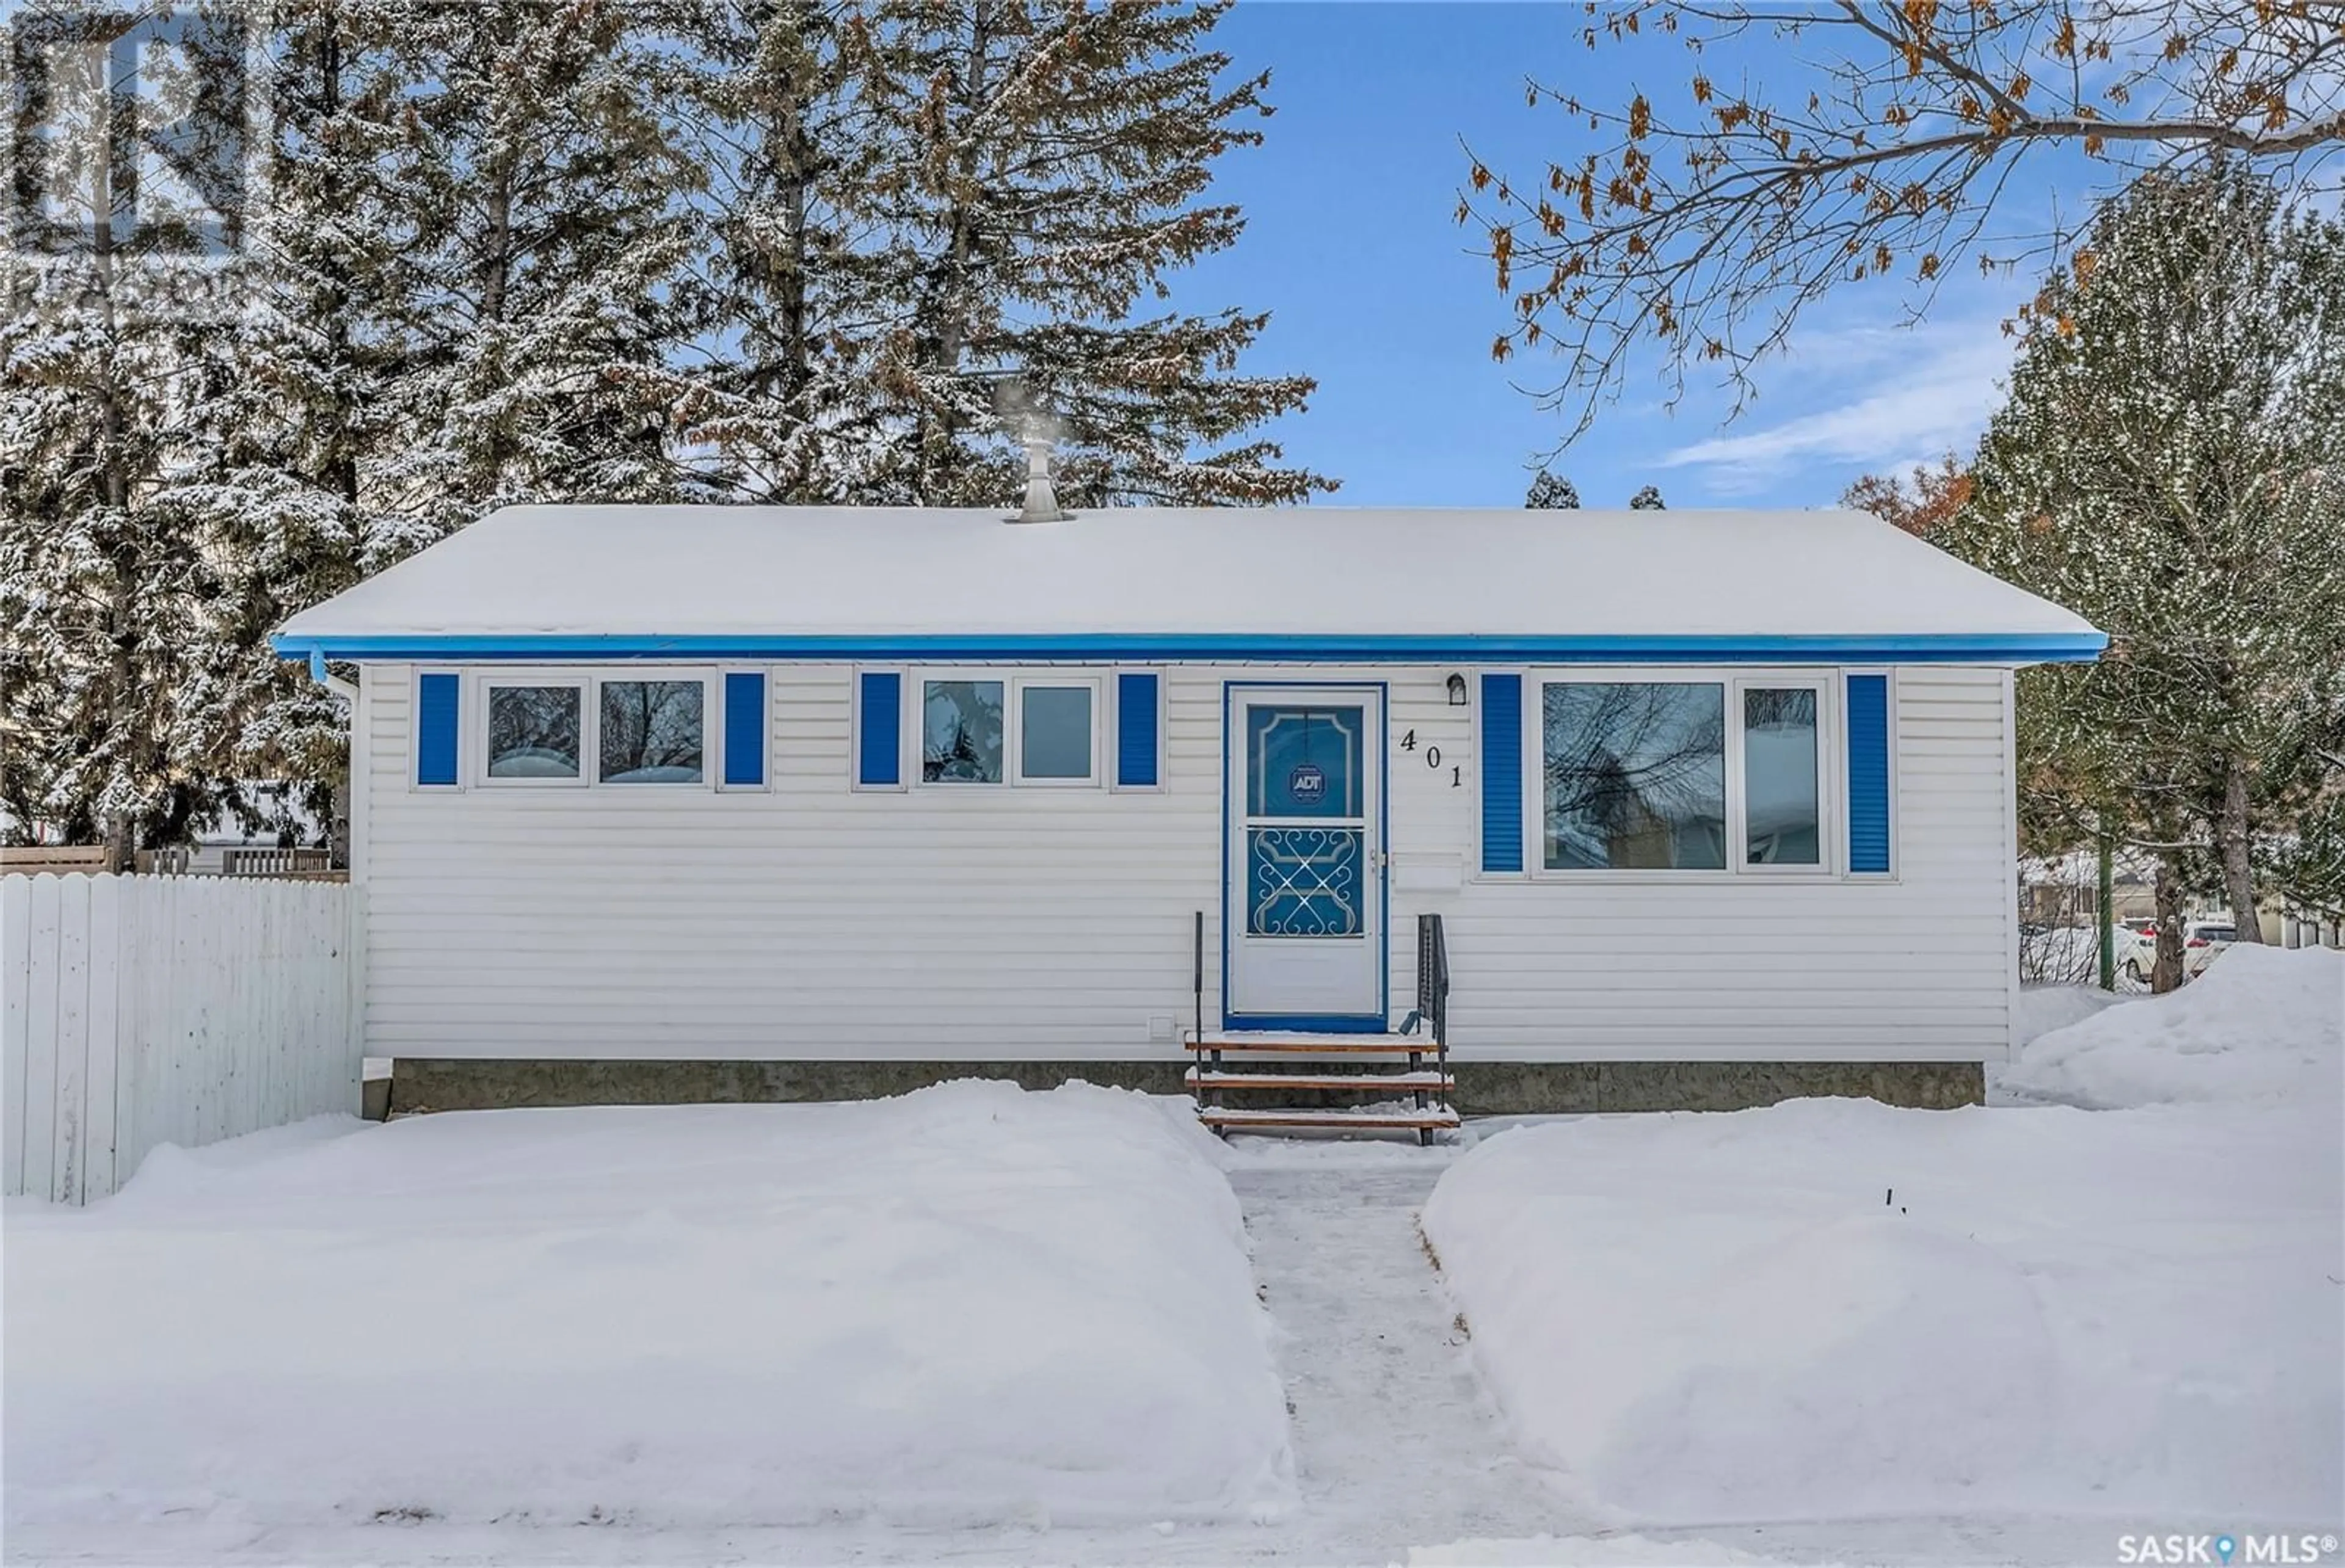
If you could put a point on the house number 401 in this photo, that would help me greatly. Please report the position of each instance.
(1433, 760)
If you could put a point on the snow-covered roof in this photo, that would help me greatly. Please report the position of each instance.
(1148, 582)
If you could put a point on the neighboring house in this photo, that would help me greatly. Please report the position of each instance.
(677, 801)
(2065, 891)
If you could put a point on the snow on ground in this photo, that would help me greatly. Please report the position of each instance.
(2041, 1009)
(1622, 1550)
(2260, 1023)
(966, 1306)
(1838, 1309)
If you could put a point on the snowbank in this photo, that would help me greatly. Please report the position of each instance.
(2041, 1009)
(2259, 1023)
(1710, 1318)
(968, 1305)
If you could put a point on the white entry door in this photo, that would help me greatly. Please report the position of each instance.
(1305, 858)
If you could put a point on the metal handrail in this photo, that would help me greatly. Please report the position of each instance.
(1197, 975)
(1432, 978)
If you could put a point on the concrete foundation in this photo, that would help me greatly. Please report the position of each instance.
(1484, 1088)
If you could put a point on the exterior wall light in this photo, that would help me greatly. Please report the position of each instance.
(1456, 690)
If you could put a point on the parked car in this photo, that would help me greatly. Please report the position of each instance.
(2201, 941)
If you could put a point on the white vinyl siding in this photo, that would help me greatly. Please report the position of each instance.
(815, 920)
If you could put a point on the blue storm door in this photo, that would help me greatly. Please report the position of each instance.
(1306, 916)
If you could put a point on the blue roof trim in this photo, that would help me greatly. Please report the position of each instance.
(1981, 648)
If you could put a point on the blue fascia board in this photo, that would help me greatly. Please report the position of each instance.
(1918, 648)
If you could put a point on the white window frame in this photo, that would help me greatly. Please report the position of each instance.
(1831, 784)
(476, 734)
(1014, 682)
(1831, 790)
(1014, 743)
(712, 736)
(474, 738)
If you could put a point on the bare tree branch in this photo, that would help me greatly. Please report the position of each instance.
(1705, 237)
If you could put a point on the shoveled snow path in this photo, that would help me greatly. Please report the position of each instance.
(1397, 1442)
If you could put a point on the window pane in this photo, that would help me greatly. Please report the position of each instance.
(1304, 761)
(534, 732)
(1055, 736)
(1781, 821)
(1635, 776)
(651, 731)
(960, 732)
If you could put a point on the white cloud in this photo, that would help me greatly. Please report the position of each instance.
(1891, 397)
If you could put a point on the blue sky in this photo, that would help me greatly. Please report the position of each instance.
(1351, 244)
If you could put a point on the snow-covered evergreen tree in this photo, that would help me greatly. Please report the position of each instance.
(112, 579)
(2171, 465)
(1648, 499)
(1050, 174)
(531, 197)
(1552, 490)
(798, 251)
(781, 394)
(300, 409)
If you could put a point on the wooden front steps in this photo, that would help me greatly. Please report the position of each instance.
(1211, 1078)
(1317, 1067)
(1423, 1123)
(1315, 1045)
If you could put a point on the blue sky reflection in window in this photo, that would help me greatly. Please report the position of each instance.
(960, 732)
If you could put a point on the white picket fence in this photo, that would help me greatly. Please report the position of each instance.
(144, 1010)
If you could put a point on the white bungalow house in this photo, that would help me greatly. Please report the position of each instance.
(688, 802)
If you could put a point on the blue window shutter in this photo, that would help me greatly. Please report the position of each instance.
(745, 727)
(1135, 730)
(1868, 773)
(1502, 773)
(880, 758)
(435, 730)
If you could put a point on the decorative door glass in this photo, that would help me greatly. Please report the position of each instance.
(1305, 830)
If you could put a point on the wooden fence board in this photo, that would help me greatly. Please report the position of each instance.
(15, 980)
(41, 1037)
(143, 1011)
(72, 1038)
(96, 1172)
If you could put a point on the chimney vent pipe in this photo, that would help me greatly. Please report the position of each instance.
(1041, 504)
